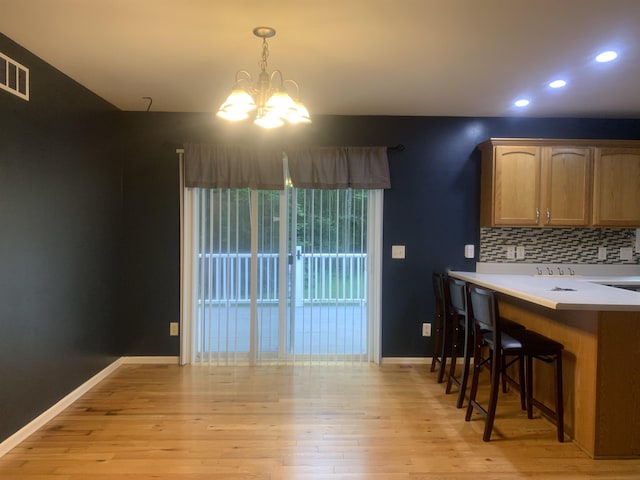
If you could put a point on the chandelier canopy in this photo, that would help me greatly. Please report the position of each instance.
(268, 96)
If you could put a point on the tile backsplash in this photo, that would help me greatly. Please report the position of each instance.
(558, 245)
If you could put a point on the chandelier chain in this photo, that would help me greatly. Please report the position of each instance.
(265, 55)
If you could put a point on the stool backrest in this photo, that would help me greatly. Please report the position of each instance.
(483, 304)
(441, 293)
(458, 296)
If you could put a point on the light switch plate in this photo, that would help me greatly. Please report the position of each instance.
(397, 251)
(469, 251)
(510, 251)
(637, 240)
(520, 253)
(626, 253)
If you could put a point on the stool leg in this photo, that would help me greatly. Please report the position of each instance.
(437, 341)
(523, 376)
(529, 385)
(454, 352)
(477, 365)
(444, 349)
(559, 404)
(464, 379)
(496, 369)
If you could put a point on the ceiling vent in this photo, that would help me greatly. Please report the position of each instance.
(14, 77)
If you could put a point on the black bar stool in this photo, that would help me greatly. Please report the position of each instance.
(463, 330)
(521, 343)
(440, 324)
(536, 346)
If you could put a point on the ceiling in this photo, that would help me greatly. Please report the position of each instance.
(350, 57)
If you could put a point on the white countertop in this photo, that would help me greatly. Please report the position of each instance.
(586, 293)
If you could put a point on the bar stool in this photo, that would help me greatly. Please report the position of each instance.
(523, 344)
(463, 327)
(441, 324)
(542, 348)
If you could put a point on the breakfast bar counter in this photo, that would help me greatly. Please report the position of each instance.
(599, 327)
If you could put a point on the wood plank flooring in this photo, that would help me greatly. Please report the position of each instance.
(283, 422)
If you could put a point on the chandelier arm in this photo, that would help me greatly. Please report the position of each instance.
(243, 75)
(288, 80)
(277, 73)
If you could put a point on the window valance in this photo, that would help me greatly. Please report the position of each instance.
(328, 168)
(232, 166)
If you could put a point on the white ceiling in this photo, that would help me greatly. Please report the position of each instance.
(351, 57)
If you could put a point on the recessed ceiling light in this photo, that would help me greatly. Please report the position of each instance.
(557, 84)
(606, 56)
(523, 102)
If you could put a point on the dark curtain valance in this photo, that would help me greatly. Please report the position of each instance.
(232, 166)
(223, 166)
(339, 167)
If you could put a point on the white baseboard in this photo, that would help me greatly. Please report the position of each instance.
(414, 360)
(48, 415)
(405, 360)
(41, 420)
(168, 360)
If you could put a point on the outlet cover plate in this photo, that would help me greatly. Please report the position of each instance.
(602, 253)
(426, 329)
(173, 329)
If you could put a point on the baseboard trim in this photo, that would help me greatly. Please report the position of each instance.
(405, 360)
(41, 420)
(415, 360)
(160, 360)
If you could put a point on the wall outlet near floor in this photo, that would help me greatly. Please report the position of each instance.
(173, 329)
(602, 253)
(426, 329)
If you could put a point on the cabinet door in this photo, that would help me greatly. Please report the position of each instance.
(616, 193)
(566, 175)
(516, 195)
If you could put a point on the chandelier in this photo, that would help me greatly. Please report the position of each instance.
(269, 96)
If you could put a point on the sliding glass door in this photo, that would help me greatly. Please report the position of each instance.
(278, 276)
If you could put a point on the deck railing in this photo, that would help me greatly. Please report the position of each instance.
(320, 277)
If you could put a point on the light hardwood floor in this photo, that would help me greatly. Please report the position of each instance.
(282, 422)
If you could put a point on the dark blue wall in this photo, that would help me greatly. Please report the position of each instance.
(432, 207)
(59, 242)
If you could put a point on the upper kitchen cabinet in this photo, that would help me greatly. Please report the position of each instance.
(616, 192)
(529, 182)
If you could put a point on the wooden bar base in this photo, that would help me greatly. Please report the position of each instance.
(601, 364)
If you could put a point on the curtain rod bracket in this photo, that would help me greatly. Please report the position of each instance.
(397, 148)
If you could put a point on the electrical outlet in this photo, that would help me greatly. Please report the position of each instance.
(602, 253)
(173, 329)
(626, 253)
(426, 329)
(510, 251)
(520, 253)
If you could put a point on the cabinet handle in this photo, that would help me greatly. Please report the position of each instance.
(548, 216)
(537, 215)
